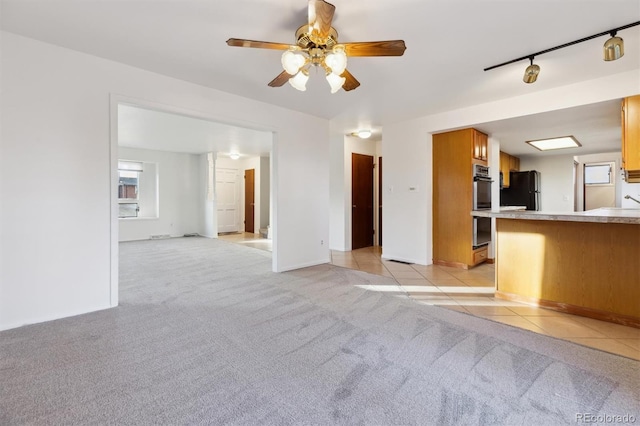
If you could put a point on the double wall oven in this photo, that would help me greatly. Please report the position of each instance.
(481, 201)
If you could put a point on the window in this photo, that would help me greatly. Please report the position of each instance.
(598, 174)
(128, 188)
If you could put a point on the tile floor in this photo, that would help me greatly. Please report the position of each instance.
(471, 292)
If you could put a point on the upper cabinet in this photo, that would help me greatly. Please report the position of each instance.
(508, 163)
(631, 138)
(480, 144)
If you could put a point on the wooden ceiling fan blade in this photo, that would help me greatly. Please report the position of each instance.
(375, 48)
(280, 79)
(350, 82)
(240, 42)
(320, 17)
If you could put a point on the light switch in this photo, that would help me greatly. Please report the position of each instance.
(413, 189)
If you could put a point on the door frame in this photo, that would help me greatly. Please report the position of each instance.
(114, 101)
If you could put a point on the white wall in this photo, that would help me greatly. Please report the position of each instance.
(556, 181)
(208, 217)
(406, 149)
(265, 192)
(178, 195)
(338, 200)
(57, 132)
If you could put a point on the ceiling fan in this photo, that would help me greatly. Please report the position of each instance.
(317, 45)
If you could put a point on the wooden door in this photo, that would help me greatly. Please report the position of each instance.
(361, 201)
(228, 205)
(249, 200)
(380, 201)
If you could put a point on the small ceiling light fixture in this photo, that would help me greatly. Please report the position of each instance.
(613, 49)
(362, 134)
(555, 143)
(531, 73)
(234, 155)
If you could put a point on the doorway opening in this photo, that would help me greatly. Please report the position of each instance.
(599, 185)
(183, 150)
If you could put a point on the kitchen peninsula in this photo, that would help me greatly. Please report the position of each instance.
(583, 263)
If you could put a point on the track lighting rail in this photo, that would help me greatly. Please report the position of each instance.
(571, 43)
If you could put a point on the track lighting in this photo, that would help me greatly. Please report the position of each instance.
(613, 49)
(531, 73)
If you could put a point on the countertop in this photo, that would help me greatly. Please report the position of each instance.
(601, 215)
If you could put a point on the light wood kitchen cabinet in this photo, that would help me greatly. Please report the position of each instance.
(631, 138)
(454, 154)
(480, 147)
(508, 163)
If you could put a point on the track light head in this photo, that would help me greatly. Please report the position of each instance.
(531, 73)
(613, 48)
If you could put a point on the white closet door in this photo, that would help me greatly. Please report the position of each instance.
(228, 192)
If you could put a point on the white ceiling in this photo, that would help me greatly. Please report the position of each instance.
(449, 43)
(148, 129)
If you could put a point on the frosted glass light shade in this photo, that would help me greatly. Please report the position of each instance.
(299, 81)
(292, 61)
(335, 81)
(364, 134)
(336, 60)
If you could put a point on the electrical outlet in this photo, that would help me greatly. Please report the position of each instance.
(321, 242)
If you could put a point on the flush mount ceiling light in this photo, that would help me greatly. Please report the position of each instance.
(613, 49)
(555, 143)
(234, 155)
(317, 45)
(362, 134)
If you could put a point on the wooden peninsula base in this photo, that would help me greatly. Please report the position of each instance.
(586, 267)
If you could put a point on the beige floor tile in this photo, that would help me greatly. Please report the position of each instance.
(564, 327)
(446, 282)
(474, 301)
(516, 321)
(413, 281)
(485, 311)
(609, 329)
(433, 298)
(422, 289)
(406, 274)
(536, 312)
(479, 282)
(633, 343)
(608, 345)
(456, 308)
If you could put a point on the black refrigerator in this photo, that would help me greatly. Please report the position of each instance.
(524, 190)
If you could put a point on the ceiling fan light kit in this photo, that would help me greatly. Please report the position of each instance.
(613, 49)
(317, 45)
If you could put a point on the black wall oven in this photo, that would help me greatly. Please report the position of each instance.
(481, 188)
(481, 231)
(481, 201)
